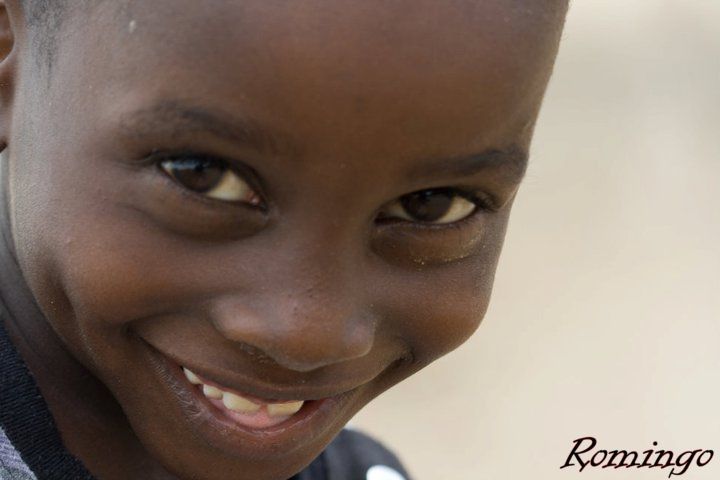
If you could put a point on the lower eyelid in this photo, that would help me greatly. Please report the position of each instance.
(417, 246)
(181, 212)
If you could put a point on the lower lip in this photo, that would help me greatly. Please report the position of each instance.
(314, 421)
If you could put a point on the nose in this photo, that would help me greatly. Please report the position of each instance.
(302, 330)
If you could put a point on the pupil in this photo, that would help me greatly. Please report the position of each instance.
(197, 174)
(428, 205)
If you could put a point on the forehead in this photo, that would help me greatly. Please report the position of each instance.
(348, 69)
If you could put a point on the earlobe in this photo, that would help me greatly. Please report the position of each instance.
(7, 71)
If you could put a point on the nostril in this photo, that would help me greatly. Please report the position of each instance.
(302, 343)
(312, 348)
(317, 355)
(308, 363)
(256, 354)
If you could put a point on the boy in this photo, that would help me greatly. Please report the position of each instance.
(228, 225)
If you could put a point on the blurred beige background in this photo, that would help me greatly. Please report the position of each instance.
(605, 319)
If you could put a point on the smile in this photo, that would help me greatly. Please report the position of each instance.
(247, 411)
(250, 419)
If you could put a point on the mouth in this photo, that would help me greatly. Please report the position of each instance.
(246, 410)
(251, 424)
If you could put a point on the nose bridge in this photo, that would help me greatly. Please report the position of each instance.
(306, 312)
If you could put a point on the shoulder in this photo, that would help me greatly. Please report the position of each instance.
(354, 455)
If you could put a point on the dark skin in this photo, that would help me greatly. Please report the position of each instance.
(319, 272)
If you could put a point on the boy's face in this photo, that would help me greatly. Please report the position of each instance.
(233, 187)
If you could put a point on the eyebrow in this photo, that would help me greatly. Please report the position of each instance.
(176, 118)
(510, 162)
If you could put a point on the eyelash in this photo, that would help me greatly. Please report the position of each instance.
(156, 158)
(483, 202)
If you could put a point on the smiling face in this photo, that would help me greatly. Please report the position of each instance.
(293, 200)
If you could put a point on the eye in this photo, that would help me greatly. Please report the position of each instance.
(435, 206)
(211, 178)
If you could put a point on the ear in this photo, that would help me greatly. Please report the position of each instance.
(7, 69)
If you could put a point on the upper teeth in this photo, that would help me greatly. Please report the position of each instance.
(212, 392)
(238, 403)
(281, 409)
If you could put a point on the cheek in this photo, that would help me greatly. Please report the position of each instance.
(435, 310)
(93, 267)
(75, 275)
(440, 319)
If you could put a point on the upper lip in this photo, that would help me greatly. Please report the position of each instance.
(241, 384)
